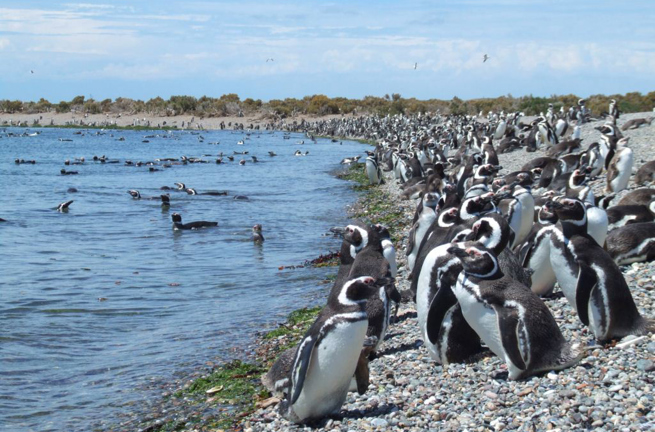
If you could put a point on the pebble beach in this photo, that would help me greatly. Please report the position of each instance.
(611, 388)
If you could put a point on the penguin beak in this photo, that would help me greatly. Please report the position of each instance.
(458, 252)
(555, 205)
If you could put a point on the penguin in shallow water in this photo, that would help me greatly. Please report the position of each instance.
(257, 235)
(514, 323)
(178, 225)
(165, 201)
(134, 193)
(590, 279)
(327, 356)
(63, 207)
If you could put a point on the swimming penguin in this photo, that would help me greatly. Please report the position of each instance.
(327, 356)
(135, 193)
(373, 171)
(63, 207)
(620, 167)
(191, 191)
(165, 201)
(421, 226)
(64, 172)
(514, 323)
(257, 235)
(178, 225)
(590, 279)
(632, 243)
(180, 186)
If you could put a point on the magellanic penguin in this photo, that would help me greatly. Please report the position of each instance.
(590, 279)
(418, 230)
(446, 334)
(63, 207)
(134, 193)
(619, 169)
(514, 323)
(534, 253)
(257, 235)
(645, 173)
(178, 225)
(632, 243)
(327, 356)
(388, 250)
(638, 196)
(373, 171)
(619, 216)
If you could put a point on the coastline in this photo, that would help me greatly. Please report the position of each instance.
(142, 121)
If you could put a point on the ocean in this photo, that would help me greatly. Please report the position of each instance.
(98, 303)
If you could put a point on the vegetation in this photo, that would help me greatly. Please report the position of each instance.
(231, 104)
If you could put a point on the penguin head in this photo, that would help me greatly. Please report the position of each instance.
(191, 191)
(477, 260)
(180, 186)
(492, 231)
(431, 199)
(570, 211)
(165, 199)
(357, 291)
(356, 236)
(135, 193)
(448, 217)
(177, 218)
(382, 231)
(546, 214)
(257, 228)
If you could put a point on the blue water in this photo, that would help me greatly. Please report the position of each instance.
(174, 299)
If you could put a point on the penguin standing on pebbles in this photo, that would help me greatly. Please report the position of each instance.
(421, 226)
(620, 167)
(590, 279)
(328, 354)
(373, 171)
(514, 323)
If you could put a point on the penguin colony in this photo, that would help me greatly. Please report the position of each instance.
(483, 249)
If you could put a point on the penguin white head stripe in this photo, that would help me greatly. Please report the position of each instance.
(447, 217)
(356, 291)
(358, 237)
(488, 232)
(476, 260)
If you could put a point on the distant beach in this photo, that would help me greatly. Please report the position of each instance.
(143, 120)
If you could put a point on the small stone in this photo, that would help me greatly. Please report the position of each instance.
(645, 365)
(378, 422)
(491, 395)
(615, 388)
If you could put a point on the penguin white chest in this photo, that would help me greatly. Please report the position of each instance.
(543, 277)
(623, 170)
(480, 317)
(330, 370)
(567, 277)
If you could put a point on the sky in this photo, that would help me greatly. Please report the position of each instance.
(277, 49)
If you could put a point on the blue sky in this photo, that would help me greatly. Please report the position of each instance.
(142, 49)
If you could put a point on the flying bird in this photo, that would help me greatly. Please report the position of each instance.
(485, 58)
(269, 59)
(32, 71)
(415, 66)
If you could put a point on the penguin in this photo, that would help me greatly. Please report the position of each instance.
(614, 109)
(645, 173)
(638, 196)
(619, 216)
(446, 334)
(620, 167)
(64, 172)
(418, 230)
(632, 243)
(63, 207)
(511, 320)
(178, 225)
(135, 193)
(590, 279)
(165, 201)
(388, 250)
(276, 380)
(327, 356)
(534, 254)
(257, 235)
(373, 171)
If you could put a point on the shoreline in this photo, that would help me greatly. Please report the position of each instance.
(232, 389)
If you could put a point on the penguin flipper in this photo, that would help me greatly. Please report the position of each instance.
(300, 366)
(508, 325)
(442, 302)
(587, 281)
(524, 253)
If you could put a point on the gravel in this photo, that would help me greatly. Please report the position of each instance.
(610, 389)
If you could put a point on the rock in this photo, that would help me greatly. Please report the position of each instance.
(379, 422)
(646, 365)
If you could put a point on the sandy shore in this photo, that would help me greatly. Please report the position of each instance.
(145, 120)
